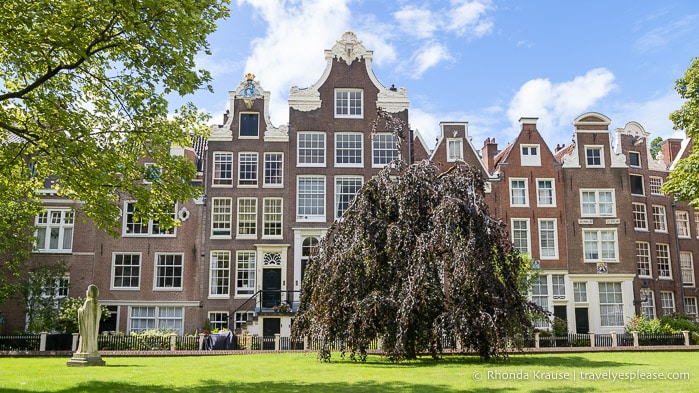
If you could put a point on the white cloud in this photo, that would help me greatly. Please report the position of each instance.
(416, 22)
(468, 18)
(653, 115)
(557, 104)
(426, 123)
(429, 55)
(664, 35)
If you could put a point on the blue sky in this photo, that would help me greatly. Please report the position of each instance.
(485, 62)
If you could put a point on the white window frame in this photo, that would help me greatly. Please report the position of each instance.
(383, 149)
(597, 204)
(221, 217)
(637, 154)
(164, 271)
(598, 148)
(346, 102)
(659, 218)
(349, 146)
(248, 169)
(690, 307)
(343, 198)
(522, 199)
(601, 244)
(219, 274)
(246, 218)
(160, 317)
(240, 126)
(272, 218)
(314, 212)
(245, 273)
(274, 169)
(667, 302)
(640, 217)
(611, 304)
(655, 182)
(311, 149)
(545, 192)
(54, 223)
(662, 257)
(218, 320)
(682, 219)
(644, 265)
(222, 174)
(242, 318)
(131, 268)
(455, 149)
(687, 266)
(648, 306)
(558, 286)
(518, 231)
(539, 293)
(580, 292)
(530, 155)
(152, 228)
(543, 236)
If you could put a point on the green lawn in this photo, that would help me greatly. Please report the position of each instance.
(297, 372)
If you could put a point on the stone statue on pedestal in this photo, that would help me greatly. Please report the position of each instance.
(89, 315)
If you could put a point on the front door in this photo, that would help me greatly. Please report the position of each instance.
(270, 327)
(582, 323)
(271, 287)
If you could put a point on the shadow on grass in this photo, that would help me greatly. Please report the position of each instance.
(209, 386)
(571, 361)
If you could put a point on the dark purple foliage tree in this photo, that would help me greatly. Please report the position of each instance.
(415, 260)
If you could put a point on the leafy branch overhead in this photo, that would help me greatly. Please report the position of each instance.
(416, 258)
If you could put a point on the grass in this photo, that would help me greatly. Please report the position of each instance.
(298, 372)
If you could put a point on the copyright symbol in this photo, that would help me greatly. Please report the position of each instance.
(477, 376)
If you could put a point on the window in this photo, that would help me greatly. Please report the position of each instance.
(168, 271)
(540, 296)
(272, 217)
(143, 318)
(152, 173)
(126, 270)
(637, 185)
(600, 245)
(519, 192)
(384, 149)
(311, 149)
(580, 292)
(597, 203)
(687, 265)
(520, 235)
(54, 230)
(56, 289)
(659, 218)
(242, 318)
(545, 193)
(346, 189)
(558, 285)
(640, 219)
(308, 247)
(274, 169)
(648, 306)
(249, 125)
(455, 150)
(219, 273)
(643, 259)
(682, 219)
(548, 248)
(223, 168)
(667, 302)
(247, 217)
(134, 226)
(530, 155)
(634, 159)
(662, 254)
(348, 103)
(690, 307)
(593, 156)
(218, 320)
(245, 273)
(221, 211)
(655, 184)
(310, 200)
(247, 169)
(611, 306)
(349, 149)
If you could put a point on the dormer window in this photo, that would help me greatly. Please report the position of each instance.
(349, 103)
(635, 159)
(455, 150)
(530, 155)
(594, 157)
(249, 125)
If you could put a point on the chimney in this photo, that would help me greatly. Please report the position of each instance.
(488, 152)
(225, 116)
(669, 149)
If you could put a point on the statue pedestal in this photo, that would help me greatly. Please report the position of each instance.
(82, 359)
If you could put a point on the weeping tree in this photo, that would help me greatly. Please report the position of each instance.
(415, 260)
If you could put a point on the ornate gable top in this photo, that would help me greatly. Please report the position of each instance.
(349, 48)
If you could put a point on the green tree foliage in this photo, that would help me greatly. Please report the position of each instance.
(68, 314)
(39, 290)
(655, 146)
(683, 181)
(416, 258)
(83, 87)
